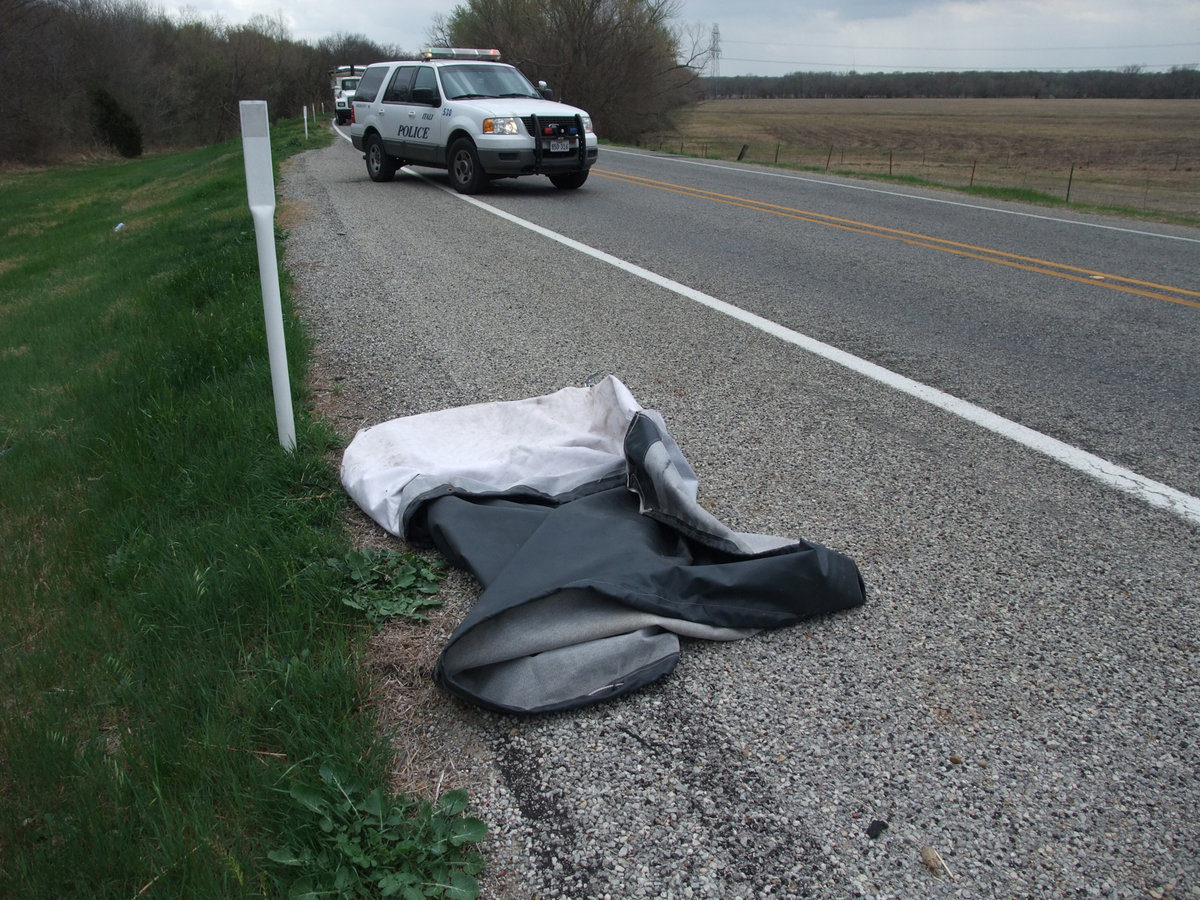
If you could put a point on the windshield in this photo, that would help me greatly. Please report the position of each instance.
(484, 80)
(349, 84)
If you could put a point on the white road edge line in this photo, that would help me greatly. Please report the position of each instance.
(1154, 493)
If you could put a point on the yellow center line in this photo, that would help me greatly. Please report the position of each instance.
(1107, 280)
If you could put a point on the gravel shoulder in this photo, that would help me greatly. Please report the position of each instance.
(1020, 693)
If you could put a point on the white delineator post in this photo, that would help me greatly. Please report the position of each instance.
(260, 188)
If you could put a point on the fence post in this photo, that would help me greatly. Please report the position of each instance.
(889, 164)
(1070, 178)
(742, 153)
(974, 163)
(829, 159)
(777, 154)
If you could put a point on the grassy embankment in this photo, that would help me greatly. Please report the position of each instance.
(1131, 157)
(182, 712)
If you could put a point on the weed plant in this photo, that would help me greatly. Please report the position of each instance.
(383, 584)
(178, 661)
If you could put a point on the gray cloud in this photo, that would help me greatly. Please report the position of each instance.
(774, 37)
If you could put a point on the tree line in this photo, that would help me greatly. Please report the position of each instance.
(1180, 83)
(88, 76)
(84, 76)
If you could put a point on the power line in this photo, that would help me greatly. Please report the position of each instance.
(967, 49)
(868, 67)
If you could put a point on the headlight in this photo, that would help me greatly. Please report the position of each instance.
(587, 124)
(503, 125)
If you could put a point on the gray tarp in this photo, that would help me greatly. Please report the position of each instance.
(577, 513)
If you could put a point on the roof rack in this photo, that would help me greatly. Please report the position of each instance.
(460, 53)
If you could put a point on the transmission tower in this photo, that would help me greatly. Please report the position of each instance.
(715, 50)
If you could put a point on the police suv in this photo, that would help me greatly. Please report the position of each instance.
(468, 113)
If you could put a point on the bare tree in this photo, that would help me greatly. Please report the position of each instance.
(619, 59)
(26, 26)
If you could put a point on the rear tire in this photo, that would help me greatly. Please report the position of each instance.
(570, 181)
(466, 174)
(380, 165)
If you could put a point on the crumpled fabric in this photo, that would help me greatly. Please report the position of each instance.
(577, 513)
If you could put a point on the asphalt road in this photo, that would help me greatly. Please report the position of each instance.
(1037, 317)
(1021, 691)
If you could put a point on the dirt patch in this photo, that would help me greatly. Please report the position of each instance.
(289, 213)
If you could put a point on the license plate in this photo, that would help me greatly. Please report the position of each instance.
(560, 146)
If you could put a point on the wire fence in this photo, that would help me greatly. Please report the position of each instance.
(1170, 186)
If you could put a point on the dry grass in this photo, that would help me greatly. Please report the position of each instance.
(1139, 154)
(437, 748)
(433, 745)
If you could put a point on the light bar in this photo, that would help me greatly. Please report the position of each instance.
(459, 53)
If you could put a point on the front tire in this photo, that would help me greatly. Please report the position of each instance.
(466, 174)
(570, 181)
(381, 166)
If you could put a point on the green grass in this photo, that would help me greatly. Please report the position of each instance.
(178, 659)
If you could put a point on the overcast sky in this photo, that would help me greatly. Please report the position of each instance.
(774, 37)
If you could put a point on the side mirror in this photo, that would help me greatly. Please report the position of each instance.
(544, 90)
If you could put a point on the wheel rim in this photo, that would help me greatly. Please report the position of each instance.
(464, 168)
(373, 157)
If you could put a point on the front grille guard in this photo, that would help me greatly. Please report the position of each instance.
(537, 142)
